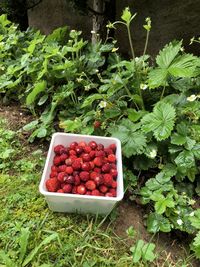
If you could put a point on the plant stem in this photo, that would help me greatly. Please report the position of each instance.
(163, 91)
(146, 43)
(130, 41)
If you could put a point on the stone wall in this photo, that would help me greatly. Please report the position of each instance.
(171, 19)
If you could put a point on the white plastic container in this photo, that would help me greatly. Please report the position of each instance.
(62, 202)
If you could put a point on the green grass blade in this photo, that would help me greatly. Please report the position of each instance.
(23, 242)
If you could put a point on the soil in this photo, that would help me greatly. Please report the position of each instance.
(170, 246)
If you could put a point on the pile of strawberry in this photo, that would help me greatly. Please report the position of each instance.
(85, 169)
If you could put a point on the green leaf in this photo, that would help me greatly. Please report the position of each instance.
(195, 220)
(160, 121)
(42, 100)
(157, 222)
(41, 132)
(162, 203)
(112, 112)
(33, 253)
(23, 242)
(127, 16)
(90, 99)
(6, 259)
(196, 245)
(137, 251)
(157, 77)
(133, 141)
(148, 252)
(178, 139)
(30, 126)
(185, 160)
(134, 115)
(38, 88)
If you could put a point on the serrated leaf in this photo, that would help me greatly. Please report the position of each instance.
(30, 126)
(196, 245)
(38, 88)
(178, 139)
(133, 140)
(195, 220)
(157, 222)
(185, 160)
(164, 202)
(157, 77)
(90, 99)
(160, 121)
(134, 115)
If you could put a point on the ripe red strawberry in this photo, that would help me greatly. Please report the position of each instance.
(60, 191)
(84, 176)
(74, 190)
(61, 176)
(82, 144)
(97, 124)
(113, 147)
(63, 157)
(107, 179)
(73, 145)
(112, 158)
(54, 168)
(67, 188)
(93, 175)
(114, 173)
(72, 152)
(86, 157)
(113, 166)
(62, 168)
(98, 161)
(87, 149)
(70, 179)
(108, 151)
(95, 192)
(92, 154)
(52, 184)
(86, 166)
(88, 193)
(56, 160)
(77, 180)
(113, 192)
(58, 149)
(100, 147)
(103, 189)
(53, 174)
(90, 185)
(100, 153)
(69, 170)
(76, 165)
(108, 194)
(68, 162)
(73, 157)
(98, 179)
(78, 150)
(91, 165)
(106, 168)
(114, 184)
(98, 170)
(92, 144)
(81, 189)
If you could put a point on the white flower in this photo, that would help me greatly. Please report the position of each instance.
(79, 80)
(191, 98)
(73, 31)
(87, 87)
(136, 59)
(102, 104)
(143, 86)
(96, 70)
(182, 49)
(192, 214)
(179, 221)
(93, 32)
(153, 153)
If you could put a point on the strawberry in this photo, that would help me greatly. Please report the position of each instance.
(67, 188)
(108, 151)
(76, 165)
(93, 175)
(92, 154)
(114, 184)
(70, 179)
(69, 170)
(62, 168)
(86, 157)
(113, 166)
(95, 192)
(56, 160)
(60, 191)
(87, 149)
(108, 194)
(52, 184)
(82, 144)
(112, 158)
(98, 179)
(77, 180)
(91, 165)
(58, 149)
(86, 166)
(98, 161)
(53, 174)
(100, 153)
(92, 144)
(113, 147)
(100, 147)
(106, 168)
(96, 124)
(54, 168)
(81, 189)
(73, 145)
(90, 185)
(84, 176)
(113, 192)
(61, 176)
(63, 157)
(98, 170)
(68, 162)
(78, 150)
(114, 173)
(72, 152)
(103, 189)
(107, 178)
(74, 190)
(88, 193)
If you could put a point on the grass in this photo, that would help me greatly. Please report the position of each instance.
(32, 235)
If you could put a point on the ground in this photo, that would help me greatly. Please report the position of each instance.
(171, 248)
